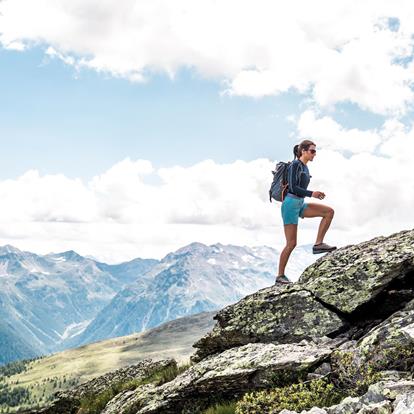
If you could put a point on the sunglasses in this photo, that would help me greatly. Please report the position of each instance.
(312, 151)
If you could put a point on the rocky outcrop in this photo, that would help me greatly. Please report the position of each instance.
(356, 275)
(226, 375)
(388, 346)
(275, 314)
(348, 291)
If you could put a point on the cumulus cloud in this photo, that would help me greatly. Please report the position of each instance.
(392, 140)
(365, 174)
(121, 214)
(331, 135)
(353, 51)
(118, 215)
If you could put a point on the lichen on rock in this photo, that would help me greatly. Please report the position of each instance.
(225, 375)
(354, 275)
(277, 315)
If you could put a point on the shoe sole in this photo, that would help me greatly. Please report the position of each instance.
(323, 251)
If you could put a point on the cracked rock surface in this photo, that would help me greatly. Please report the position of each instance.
(276, 314)
(354, 275)
(230, 373)
(351, 289)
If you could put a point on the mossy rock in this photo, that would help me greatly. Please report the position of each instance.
(354, 275)
(296, 397)
(277, 314)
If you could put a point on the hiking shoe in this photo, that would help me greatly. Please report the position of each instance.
(282, 280)
(322, 248)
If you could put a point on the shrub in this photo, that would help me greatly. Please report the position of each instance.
(282, 378)
(356, 376)
(296, 397)
(222, 408)
(94, 404)
(396, 356)
(15, 367)
(13, 396)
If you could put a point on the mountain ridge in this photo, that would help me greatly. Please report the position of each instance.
(60, 300)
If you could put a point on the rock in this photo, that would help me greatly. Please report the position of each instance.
(392, 341)
(383, 407)
(388, 346)
(226, 375)
(275, 314)
(324, 369)
(354, 275)
(404, 404)
(349, 291)
(392, 389)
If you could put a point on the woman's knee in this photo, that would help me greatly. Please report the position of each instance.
(291, 245)
(330, 212)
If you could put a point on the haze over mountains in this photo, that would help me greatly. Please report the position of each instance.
(52, 302)
(46, 299)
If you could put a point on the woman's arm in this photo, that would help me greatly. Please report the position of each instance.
(294, 170)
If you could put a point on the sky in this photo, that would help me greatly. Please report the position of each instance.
(130, 129)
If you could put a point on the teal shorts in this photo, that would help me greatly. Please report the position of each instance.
(292, 209)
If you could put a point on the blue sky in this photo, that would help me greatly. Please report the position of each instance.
(59, 120)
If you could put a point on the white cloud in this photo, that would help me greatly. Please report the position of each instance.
(119, 215)
(336, 51)
(392, 140)
(331, 135)
(397, 141)
(371, 189)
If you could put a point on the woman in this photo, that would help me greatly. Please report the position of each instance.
(293, 206)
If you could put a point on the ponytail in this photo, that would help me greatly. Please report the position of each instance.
(304, 145)
(295, 152)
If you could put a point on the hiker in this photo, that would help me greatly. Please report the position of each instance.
(294, 206)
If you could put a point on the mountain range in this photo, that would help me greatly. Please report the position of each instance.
(57, 301)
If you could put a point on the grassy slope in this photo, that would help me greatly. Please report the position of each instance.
(172, 339)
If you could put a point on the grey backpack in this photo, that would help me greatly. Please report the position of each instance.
(279, 186)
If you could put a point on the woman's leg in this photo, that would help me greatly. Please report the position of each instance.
(291, 231)
(320, 210)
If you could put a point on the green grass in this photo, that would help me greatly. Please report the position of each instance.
(44, 376)
(222, 408)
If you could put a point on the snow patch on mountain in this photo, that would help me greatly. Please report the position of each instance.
(74, 329)
(3, 269)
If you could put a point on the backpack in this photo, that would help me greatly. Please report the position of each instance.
(279, 186)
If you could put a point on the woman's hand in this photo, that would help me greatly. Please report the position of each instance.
(318, 194)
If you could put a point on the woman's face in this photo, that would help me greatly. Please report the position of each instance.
(310, 152)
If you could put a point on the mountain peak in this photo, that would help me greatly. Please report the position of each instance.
(192, 247)
(68, 255)
(8, 248)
